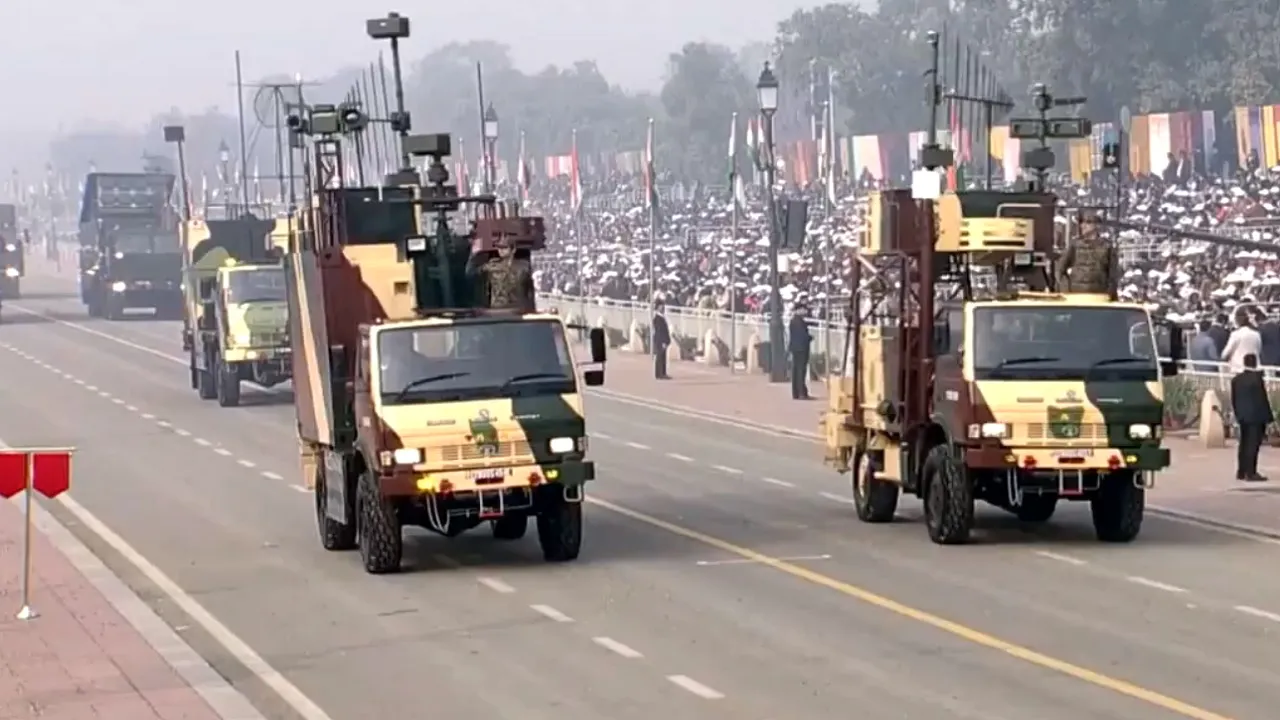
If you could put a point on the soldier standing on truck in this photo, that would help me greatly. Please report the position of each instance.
(1090, 263)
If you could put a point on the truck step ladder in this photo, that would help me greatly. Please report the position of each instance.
(496, 506)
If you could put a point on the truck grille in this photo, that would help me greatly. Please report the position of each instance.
(268, 339)
(1089, 434)
(458, 453)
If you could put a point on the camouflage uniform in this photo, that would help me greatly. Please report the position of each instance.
(1092, 263)
(509, 280)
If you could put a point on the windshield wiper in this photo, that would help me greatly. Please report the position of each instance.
(425, 381)
(1118, 360)
(1025, 361)
(531, 376)
(259, 300)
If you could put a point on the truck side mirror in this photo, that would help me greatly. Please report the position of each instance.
(1169, 337)
(599, 348)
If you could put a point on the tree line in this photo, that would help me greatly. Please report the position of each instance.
(1149, 55)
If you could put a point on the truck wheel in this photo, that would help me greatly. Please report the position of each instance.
(377, 529)
(1117, 507)
(875, 500)
(948, 500)
(560, 527)
(195, 372)
(1036, 508)
(206, 385)
(334, 536)
(112, 310)
(511, 526)
(228, 384)
(92, 306)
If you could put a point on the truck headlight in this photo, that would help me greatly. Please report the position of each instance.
(988, 430)
(562, 445)
(11, 272)
(10, 247)
(1140, 432)
(119, 286)
(407, 456)
(241, 339)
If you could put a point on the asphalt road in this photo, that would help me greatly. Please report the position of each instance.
(723, 575)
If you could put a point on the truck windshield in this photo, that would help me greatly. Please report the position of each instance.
(1063, 343)
(473, 360)
(255, 285)
(131, 243)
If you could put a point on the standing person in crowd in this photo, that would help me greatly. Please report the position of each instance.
(1220, 333)
(1203, 351)
(1244, 341)
(1253, 413)
(1269, 329)
(799, 342)
(659, 341)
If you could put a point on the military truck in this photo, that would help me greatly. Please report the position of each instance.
(429, 389)
(12, 253)
(129, 249)
(1018, 394)
(236, 309)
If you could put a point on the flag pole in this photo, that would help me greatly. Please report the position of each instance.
(733, 244)
(653, 227)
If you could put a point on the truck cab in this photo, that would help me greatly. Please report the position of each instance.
(12, 253)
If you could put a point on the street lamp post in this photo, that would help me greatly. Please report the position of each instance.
(490, 148)
(177, 135)
(224, 160)
(767, 92)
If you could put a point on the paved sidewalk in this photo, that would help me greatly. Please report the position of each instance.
(81, 658)
(1201, 484)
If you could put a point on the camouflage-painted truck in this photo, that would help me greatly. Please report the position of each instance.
(235, 324)
(1016, 395)
(429, 390)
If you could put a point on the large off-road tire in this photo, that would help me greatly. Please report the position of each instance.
(1036, 508)
(511, 526)
(1118, 506)
(206, 385)
(334, 536)
(874, 499)
(378, 533)
(559, 527)
(948, 500)
(112, 310)
(93, 306)
(228, 384)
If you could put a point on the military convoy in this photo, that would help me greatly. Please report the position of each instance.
(129, 250)
(429, 389)
(235, 324)
(1019, 394)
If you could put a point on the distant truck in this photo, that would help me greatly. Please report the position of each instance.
(236, 320)
(130, 255)
(429, 390)
(12, 253)
(1019, 395)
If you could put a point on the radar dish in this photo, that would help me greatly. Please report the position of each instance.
(271, 103)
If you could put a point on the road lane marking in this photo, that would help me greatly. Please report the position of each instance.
(183, 433)
(678, 456)
(617, 648)
(239, 649)
(777, 482)
(496, 585)
(837, 498)
(554, 614)
(727, 469)
(598, 435)
(1155, 584)
(148, 416)
(1061, 558)
(272, 476)
(637, 446)
(1258, 613)
(203, 443)
(687, 683)
(247, 463)
(951, 627)
(223, 452)
(131, 408)
(742, 561)
(299, 489)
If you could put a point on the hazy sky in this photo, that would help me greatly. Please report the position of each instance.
(75, 62)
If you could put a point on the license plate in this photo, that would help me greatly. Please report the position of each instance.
(491, 474)
(1073, 454)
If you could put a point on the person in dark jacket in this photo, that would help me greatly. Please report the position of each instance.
(659, 341)
(1219, 332)
(1269, 329)
(799, 340)
(1253, 413)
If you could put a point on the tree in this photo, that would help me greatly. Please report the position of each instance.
(705, 85)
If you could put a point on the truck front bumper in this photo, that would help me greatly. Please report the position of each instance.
(1103, 459)
(409, 482)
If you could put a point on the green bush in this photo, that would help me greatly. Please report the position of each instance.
(1181, 403)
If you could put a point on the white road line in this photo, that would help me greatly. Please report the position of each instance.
(203, 443)
(496, 585)
(148, 416)
(551, 612)
(117, 401)
(247, 463)
(744, 561)
(678, 456)
(1258, 613)
(599, 436)
(300, 489)
(78, 381)
(776, 481)
(695, 687)
(835, 497)
(223, 452)
(272, 476)
(91, 388)
(164, 423)
(1155, 584)
(617, 648)
(637, 446)
(238, 648)
(1061, 558)
(131, 408)
(183, 433)
(727, 469)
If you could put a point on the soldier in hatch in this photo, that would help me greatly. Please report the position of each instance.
(509, 281)
(1090, 263)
